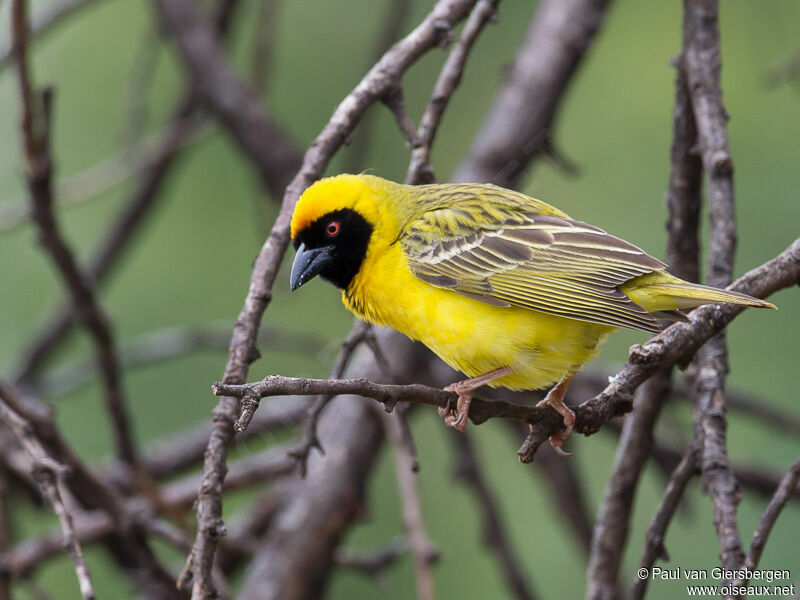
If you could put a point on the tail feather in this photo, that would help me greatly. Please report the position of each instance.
(655, 296)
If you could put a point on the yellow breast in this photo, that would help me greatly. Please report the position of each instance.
(469, 335)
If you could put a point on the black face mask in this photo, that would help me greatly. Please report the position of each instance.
(333, 247)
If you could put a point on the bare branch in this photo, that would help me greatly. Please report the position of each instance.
(181, 451)
(293, 561)
(636, 442)
(50, 474)
(129, 219)
(612, 524)
(164, 344)
(42, 22)
(257, 134)
(654, 539)
(683, 191)
(393, 24)
(310, 440)
(258, 468)
(494, 531)
(519, 122)
(36, 133)
(703, 63)
(93, 526)
(782, 494)
(678, 343)
(372, 87)
(423, 551)
(372, 563)
(419, 169)
(124, 543)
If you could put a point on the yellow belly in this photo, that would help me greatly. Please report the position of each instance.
(469, 335)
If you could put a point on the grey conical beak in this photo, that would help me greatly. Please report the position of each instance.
(308, 263)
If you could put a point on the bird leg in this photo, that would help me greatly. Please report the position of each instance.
(458, 418)
(555, 400)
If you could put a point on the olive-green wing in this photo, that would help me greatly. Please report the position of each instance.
(546, 263)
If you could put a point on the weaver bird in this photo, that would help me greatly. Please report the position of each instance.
(503, 287)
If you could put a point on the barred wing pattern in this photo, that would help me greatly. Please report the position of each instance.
(542, 262)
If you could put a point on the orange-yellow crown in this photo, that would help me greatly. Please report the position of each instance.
(366, 194)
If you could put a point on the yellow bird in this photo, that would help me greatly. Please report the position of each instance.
(503, 287)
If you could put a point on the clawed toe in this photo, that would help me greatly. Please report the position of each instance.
(557, 441)
(456, 417)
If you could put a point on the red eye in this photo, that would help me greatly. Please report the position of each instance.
(332, 228)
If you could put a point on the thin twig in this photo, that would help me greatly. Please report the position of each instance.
(178, 452)
(770, 515)
(654, 539)
(157, 347)
(140, 81)
(93, 526)
(557, 40)
(674, 345)
(419, 168)
(759, 478)
(50, 474)
(373, 86)
(263, 44)
(310, 440)
(42, 22)
(392, 26)
(374, 562)
(124, 543)
(494, 530)
(36, 134)
(424, 553)
(703, 63)
(85, 186)
(130, 219)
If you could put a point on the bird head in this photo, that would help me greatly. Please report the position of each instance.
(336, 223)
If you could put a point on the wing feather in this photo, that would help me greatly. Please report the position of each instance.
(505, 254)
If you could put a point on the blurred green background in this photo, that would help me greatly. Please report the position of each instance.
(190, 263)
